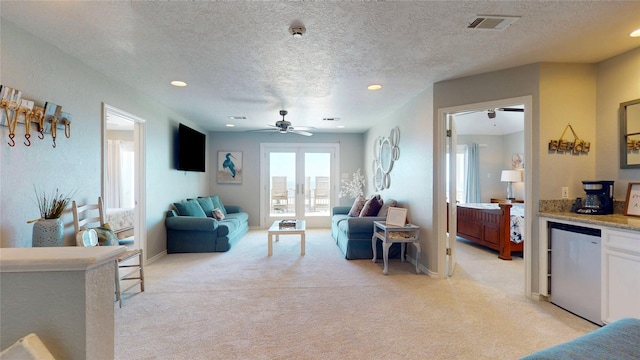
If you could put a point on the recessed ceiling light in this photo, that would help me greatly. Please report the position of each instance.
(229, 125)
(340, 126)
(635, 33)
(178, 83)
(374, 87)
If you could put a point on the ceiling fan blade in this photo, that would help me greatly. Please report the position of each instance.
(511, 109)
(301, 132)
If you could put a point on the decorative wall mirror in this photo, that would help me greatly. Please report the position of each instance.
(385, 152)
(630, 134)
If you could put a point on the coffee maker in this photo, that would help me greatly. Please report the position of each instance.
(599, 199)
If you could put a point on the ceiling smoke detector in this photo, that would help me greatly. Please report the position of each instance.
(297, 31)
(492, 22)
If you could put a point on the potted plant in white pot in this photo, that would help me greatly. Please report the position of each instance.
(48, 230)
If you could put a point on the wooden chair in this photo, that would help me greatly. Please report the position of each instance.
(127, 269)
(279, 193)
(321, 192)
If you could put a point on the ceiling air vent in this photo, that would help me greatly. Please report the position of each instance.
(331, 119)
(492, 22)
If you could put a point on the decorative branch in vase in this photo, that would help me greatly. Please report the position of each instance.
(48, 230)
(354, 187)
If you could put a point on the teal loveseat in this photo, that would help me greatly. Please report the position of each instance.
(191, 227)
(353, 234)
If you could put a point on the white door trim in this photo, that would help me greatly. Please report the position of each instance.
(140, 227)
(440, 187)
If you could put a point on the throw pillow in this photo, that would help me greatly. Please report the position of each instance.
(106, 236)
(217, 203)
(207, 205)
(190, 208)
(357, 206)
(371, 207)
(386, 206)
(217, 214)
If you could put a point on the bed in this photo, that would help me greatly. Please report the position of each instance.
(497, 226)
(121, 221)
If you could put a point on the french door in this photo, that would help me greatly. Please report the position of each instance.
(298, 182)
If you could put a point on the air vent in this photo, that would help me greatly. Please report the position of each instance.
(492, 22)
(331, 119)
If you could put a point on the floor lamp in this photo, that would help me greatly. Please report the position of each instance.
(510, 176)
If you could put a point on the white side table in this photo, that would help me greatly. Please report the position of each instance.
(392, 234)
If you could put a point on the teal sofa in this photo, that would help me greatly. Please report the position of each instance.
(353, 234)
(619, 340)
(191, 227)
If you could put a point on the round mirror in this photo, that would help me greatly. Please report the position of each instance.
(376, 148)
(379, 178)
(386, 160)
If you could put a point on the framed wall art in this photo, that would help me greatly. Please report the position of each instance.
(229, 167)
(632, 203)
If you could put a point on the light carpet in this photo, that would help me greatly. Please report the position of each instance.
(243, 304)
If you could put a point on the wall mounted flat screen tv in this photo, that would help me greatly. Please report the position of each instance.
(191, 149)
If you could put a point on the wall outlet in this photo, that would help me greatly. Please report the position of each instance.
(565, 192)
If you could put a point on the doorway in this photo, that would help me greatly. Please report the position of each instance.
(448, 142)
(298, 182)
(123, 175)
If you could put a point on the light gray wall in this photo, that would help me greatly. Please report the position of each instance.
(491, 151)
(247, 194)
(618, 81)
(412, 174)
(513, 144)
(44, 73)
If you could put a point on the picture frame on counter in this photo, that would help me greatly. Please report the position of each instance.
(632, 203)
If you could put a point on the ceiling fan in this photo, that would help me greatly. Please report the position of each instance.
(283, 127)
(491, 113)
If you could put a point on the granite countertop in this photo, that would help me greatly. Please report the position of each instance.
(618, 221)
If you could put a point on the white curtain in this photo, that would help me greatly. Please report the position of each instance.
(472, 183)
(119, 187)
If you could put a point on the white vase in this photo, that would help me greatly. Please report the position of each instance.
(48, 233)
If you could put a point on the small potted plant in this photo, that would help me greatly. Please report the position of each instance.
(48, 230)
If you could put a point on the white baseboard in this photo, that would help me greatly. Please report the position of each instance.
(160, 255)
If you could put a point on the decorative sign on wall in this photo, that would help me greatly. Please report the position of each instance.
(385, 152)
(48, 119)
(576, 147)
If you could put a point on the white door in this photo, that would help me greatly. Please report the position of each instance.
(298, 183)
(126, 183)
(452, 155)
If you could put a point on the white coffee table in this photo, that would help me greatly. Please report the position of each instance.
(276, 230)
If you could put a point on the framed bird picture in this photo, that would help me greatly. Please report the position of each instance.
(229, 167)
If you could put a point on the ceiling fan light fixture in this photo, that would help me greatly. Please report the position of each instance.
(491, 113)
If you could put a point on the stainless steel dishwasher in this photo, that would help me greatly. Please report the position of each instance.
(575, 270)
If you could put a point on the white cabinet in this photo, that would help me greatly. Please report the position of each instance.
(620, 274)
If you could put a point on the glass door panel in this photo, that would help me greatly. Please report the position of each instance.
(282, 188)
(317, 174)
(299, 183)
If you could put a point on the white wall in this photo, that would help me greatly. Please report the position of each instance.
(247, 194)
(44, 73)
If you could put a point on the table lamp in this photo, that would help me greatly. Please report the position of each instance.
(510, 176)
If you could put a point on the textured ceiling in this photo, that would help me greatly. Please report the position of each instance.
(240, 60)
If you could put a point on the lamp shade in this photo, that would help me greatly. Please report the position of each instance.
(511, 176)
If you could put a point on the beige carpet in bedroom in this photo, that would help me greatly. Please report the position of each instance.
(245, 305)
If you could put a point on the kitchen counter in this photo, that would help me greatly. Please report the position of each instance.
(618, 221)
